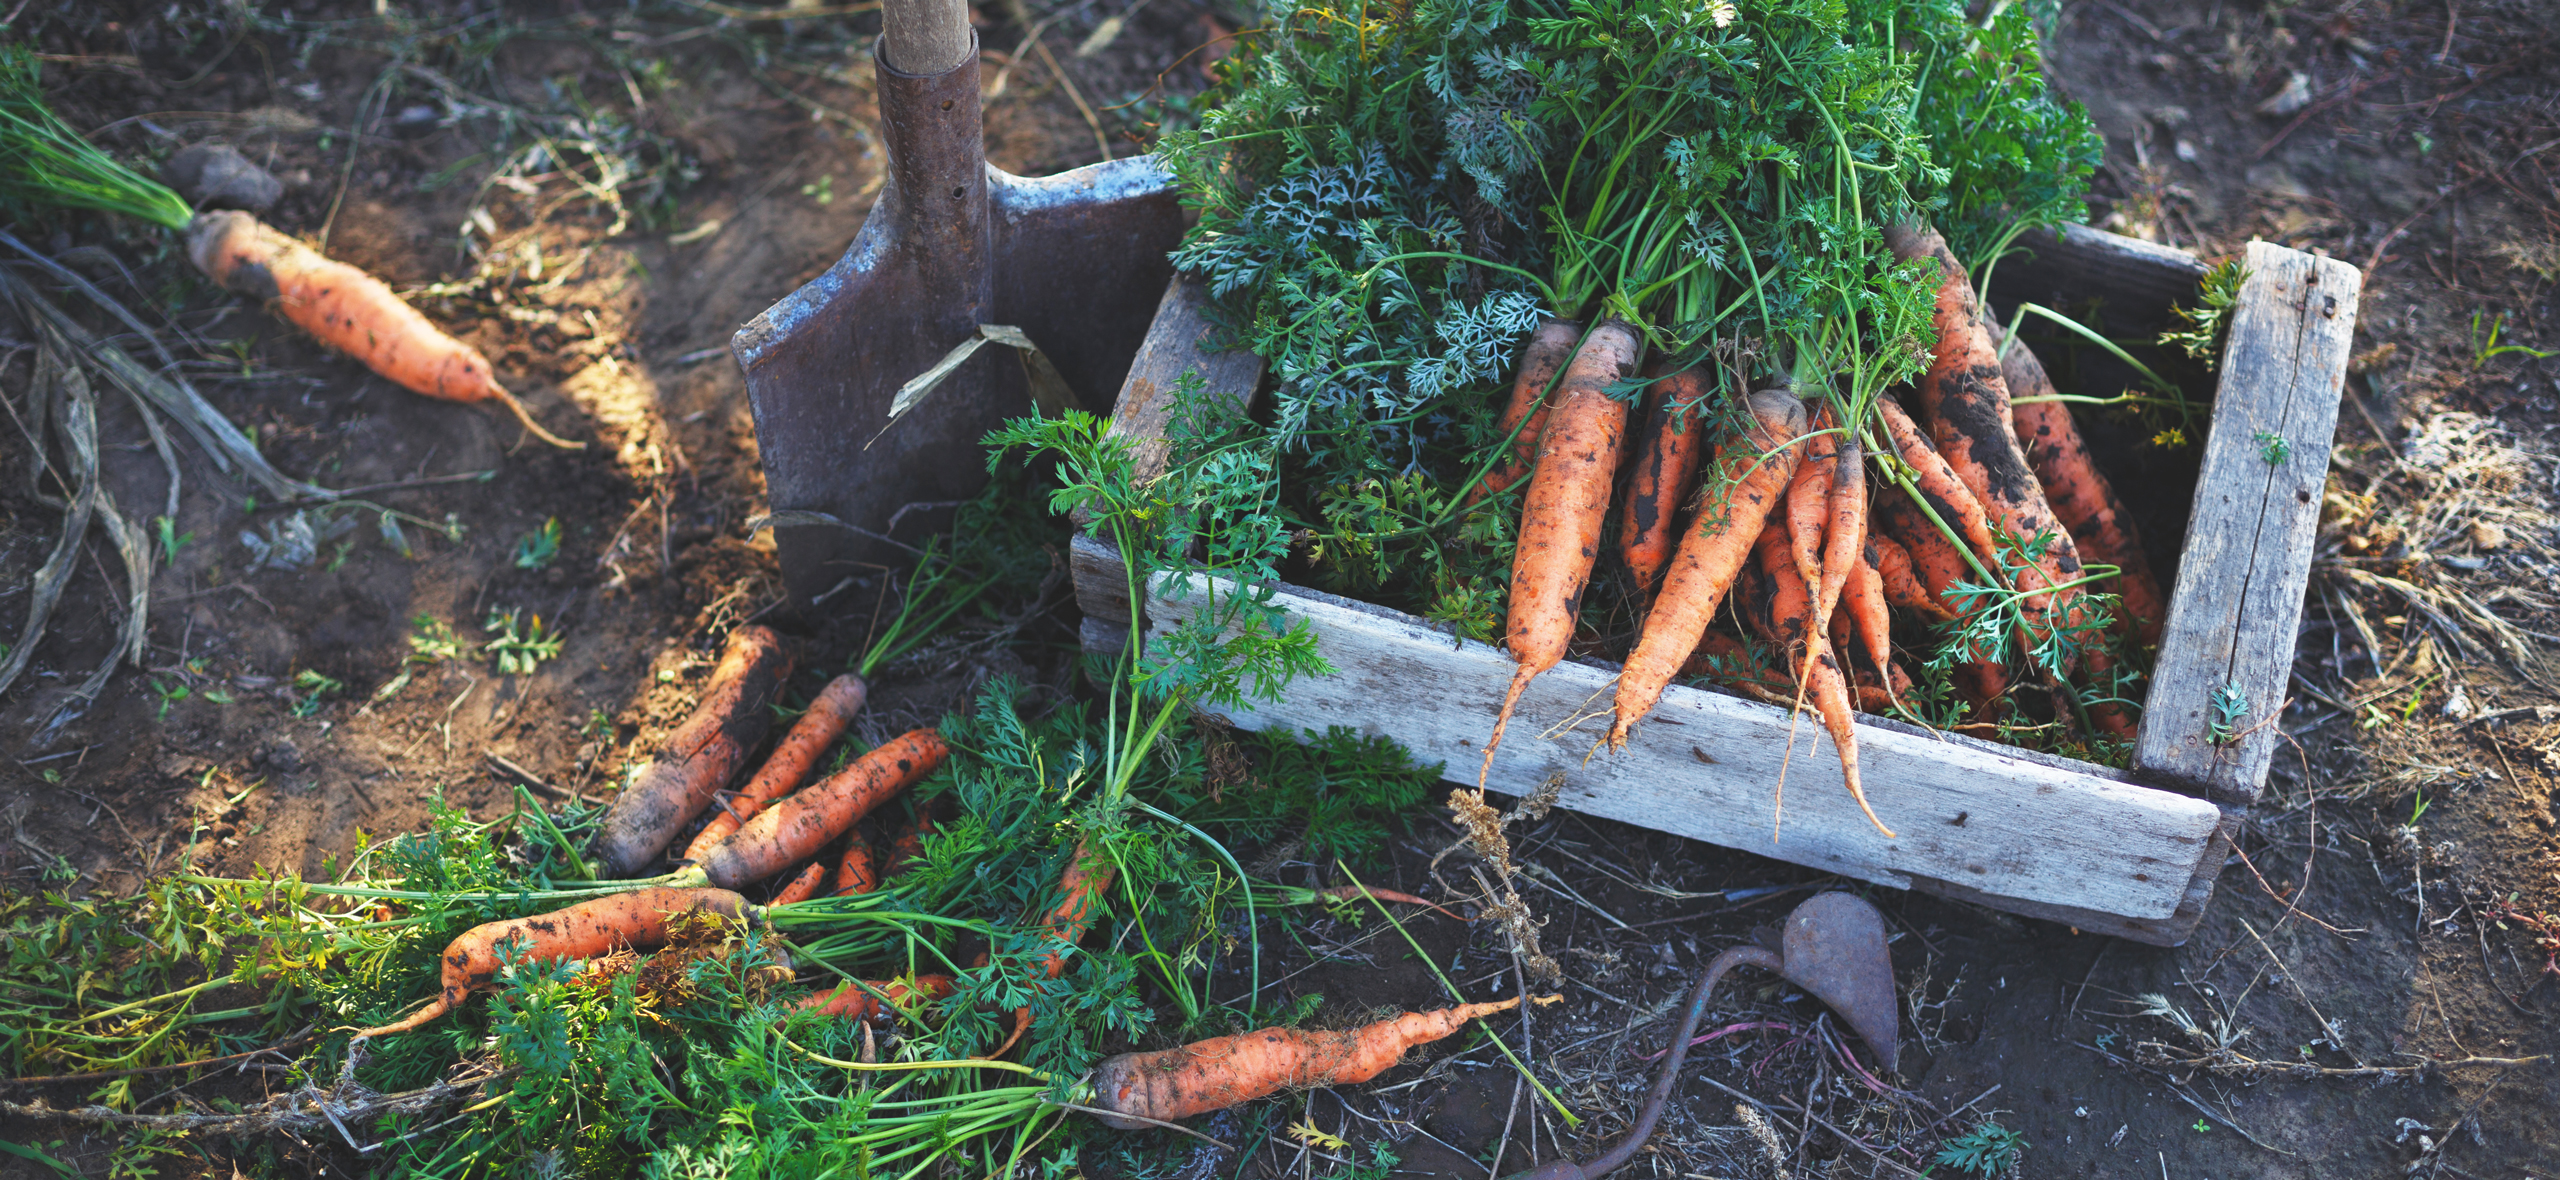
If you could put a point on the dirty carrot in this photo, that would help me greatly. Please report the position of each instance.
(804, 885)
(1568, 503)
(348, 310)
(1087, 877)
(907, 851)
(1845, 532)
(862, 999)
(1787, 625)
(1744, 491)
(790, 761)
(856, 873)
(1808, 508)
(1899, 582)
(696, 760)
(637, 920)
(1226, 1071)
(1939, 487)
(1667, 451)
(1937, 565)
(1966, 401)
(798, 825)
(2081, 497)
(1547, 351)
(1870, 619)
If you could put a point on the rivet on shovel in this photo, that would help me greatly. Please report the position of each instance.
(1834, 948)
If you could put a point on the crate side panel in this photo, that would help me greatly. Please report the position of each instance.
(2139, 280)
(1182, 339)
(2238, 598)
(1706, 766)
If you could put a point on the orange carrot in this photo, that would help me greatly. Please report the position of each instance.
(1568, 503)
(1937, 565)
(1548, 349)
(1901, 584)
(789, 763)
(637, 920)
(1225, 1071)
(798, 825)
(348, 310)
(1667, 452)
(698, 758)
(856, 873)
(2079, 493)
(1808, 508)
(1946, 494)
(1869, 617)
(1845, 532)
(1967, 403)
(1730, 662)
(907, 851)
(860, 999)
(1751, 475)
(1787, 625)
(804, 886)
(1087, 877)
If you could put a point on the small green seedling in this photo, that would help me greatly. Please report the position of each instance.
(1988, 1150)
(314, 687)
(536, 549)
(435, 641)
(2230, 708)
(171, 540)
(169, 694)
(2203, 1126)
(2272, 447)
(2486, 348)
(519, 652)
(823, 192)
(2417, 810)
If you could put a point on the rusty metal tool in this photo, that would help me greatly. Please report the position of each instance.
(1833, 947)
(1077, 261)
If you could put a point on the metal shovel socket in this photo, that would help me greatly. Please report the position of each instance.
(1834, 948)
(1077, 261)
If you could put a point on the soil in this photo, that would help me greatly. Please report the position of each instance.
(2357, 937)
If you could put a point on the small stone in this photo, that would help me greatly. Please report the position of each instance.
(2186, 151)
(2295, 96)
(215, 176)
(2488, 534)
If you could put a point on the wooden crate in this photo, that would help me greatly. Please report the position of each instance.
(2132, 853)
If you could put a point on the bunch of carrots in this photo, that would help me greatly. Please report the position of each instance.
(1766, 499)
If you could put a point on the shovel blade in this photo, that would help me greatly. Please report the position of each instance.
(1834, 947)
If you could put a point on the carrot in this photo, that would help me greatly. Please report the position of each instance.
(1787, 624)
(803, 886)
(1869, 617)
(862, 999)
(1752, 472)
(2079, 493)
(798, 825)
(1140, 1089)
(1732, 663)
(637, 920)
(1808, 507)
(698, 758)
(348, 310)
(1087, 877)
(1667, 452)
(1937, 566)
(1967, 403)
(1900, 583)
(789, 763)
(907, 851)
(1939, 486)
(856, 873)
(1568, 503)
(1549, 347)
(1845, 532)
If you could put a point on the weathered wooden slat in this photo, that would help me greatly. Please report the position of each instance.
(1181, 340)
(2013, 832)
(2137, 280)
(2238, 600)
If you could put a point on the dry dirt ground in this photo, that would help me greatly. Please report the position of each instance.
(601, 194)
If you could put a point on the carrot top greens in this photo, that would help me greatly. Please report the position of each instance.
(44, 162)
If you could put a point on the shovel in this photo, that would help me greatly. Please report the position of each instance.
(1834, 948)
(1076, 261)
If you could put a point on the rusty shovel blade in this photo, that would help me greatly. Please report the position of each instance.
(1077, 261)
(1834, 947)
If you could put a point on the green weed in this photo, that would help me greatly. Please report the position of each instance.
(519, 651)
(536, 550)
(1988, 1150)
